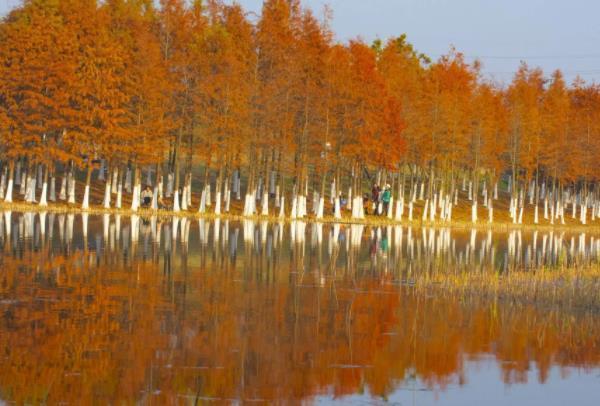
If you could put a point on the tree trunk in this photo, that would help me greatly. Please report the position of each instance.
(86, 194)
(9, 188)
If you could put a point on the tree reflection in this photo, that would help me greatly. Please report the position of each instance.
(265, 318)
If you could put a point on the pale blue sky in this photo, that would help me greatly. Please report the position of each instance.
(551, 34)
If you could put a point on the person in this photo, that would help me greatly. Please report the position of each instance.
(366, 203)
(375, 197)
(386, 197)
(146, 197)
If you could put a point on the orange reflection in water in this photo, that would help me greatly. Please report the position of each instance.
(73, 328)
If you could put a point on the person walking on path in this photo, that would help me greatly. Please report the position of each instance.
(386, 197)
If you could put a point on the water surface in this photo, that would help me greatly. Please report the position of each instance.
(121, 309)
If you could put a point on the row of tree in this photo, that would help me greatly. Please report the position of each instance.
(271, 106)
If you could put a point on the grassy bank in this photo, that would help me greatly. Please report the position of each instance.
(461, 217)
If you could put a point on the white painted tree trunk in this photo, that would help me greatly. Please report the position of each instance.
(170, 184)
(470, 190)
(9, 191)
(531, 192)
(189, 192)
(337, 212)
(184, 198)
(455, 197)
(39, 173)
(513, 210)
(2, 185)
(238, 189)
(474, 212)
(62, 195)
(425, 208)
(282, 208)
(535, 214)
(30, 190)
(333, 192)
(496, 191)
(399, 209)
(361, 208)
(490, 212)
(128, 180)
(115, 179)
(227, 200)
(119, 202)
(52, 197)
(23, 185)
(443, 207)
(294, 212)
(17, 180)
(301, 206)
(101, 171)
(545, 207)
(272, 182)
(422, 191)
(349, 199)
(410, 211)
(43, 200)
(390, 209)
(208, 195)
(320, 207)
(250, 204)
(277, 196)
(154, 204)
(135, 199)
(86, 198)
(71, 188)
(521, 215)
(218, 202)
(202, 206)
(315, 202)
(265, 204)
(247, 204)
(176, 207)
(107, 190)
(433, 208)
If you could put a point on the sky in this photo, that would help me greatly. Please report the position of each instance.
(551, 34)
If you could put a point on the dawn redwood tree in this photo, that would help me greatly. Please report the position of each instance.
(277, 104)
(524, 97)
(556, 109)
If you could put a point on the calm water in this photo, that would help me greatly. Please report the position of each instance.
(180, 311)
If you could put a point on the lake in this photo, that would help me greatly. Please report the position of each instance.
(116, 309)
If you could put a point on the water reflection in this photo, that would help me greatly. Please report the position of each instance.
(176, 310)
(402, 249)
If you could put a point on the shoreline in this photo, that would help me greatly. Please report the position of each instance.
(369, 221)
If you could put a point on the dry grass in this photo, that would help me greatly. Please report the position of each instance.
(573, 287)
